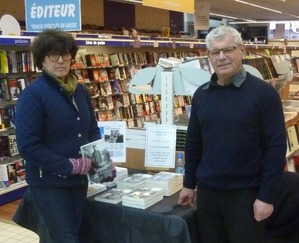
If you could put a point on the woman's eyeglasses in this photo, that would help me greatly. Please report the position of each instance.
(54, 56)
(225, 51)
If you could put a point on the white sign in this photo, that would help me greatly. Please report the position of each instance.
(160, 146)
(202, 14)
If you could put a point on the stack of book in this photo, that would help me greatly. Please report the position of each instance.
(113, 195)
(142, 197)
(170, 182)
(133, 181)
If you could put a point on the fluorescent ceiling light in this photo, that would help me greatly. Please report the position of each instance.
(269, 9)
(134, 1)
(258, 6)
(231, 17)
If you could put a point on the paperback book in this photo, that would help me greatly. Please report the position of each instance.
(113, 196)
(143, 197)
(170, 182)
(133, 181)
(95, 189)
(103, 169)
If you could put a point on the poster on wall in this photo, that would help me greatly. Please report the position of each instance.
(186, 6)
(54, 14)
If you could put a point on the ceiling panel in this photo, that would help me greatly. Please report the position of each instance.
(289, 9)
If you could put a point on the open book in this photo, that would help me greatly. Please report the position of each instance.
(103, 169)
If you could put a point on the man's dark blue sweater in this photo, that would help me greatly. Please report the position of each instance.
(236, 137)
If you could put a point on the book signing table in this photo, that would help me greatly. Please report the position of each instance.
(165, 221)
(113, 223)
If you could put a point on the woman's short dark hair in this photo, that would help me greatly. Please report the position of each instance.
(52, 40)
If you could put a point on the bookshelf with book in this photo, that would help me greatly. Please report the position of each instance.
(111, 98)
(17, 70)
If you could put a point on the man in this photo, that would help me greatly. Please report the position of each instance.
(235, 146)
(96, 156)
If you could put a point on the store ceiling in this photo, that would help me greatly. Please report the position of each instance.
(289, 9)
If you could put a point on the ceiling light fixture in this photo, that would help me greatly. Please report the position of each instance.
(231, 17)
(258, 6)
(269, 9)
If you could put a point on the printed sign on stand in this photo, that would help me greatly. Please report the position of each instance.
(160, 146)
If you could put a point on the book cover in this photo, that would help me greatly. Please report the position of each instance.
(124, 85)
(4, 147)
(113, 196)
(79, 61)
(3, 62)
(96, 75)
(143, 194)
(98, 58)
(12, 145)
(95, 188)
(143, 205)
(104, 75)
(78, 73)
(134, 180)
(12, 173)
(106, 88)
(5, 118)
(14, 89)
(12, 61)
(143, 197)
(21, 83)
(125, 99)
(114, 60)
(116, 87)
(170, 182)
(90, 60)
(85, 76)
(293, 137)
(106, 61)
(103, 168)
(4, 90)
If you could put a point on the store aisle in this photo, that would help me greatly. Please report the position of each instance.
(12, 233)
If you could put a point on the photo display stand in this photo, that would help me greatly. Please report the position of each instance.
(171, 77)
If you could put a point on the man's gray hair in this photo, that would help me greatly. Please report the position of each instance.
(222, 31)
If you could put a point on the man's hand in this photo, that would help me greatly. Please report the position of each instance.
(186, 196)
(262, 210)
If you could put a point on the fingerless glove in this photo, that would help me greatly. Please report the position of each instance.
(81, 166)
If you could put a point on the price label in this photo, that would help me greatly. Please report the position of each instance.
(136, 44)
(173, 44)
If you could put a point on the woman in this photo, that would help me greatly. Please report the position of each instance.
(54, 119)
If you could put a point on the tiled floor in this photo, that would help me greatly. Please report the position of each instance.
(12, 233)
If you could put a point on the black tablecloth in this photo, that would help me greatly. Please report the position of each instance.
(163, 222)
(109, 223)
